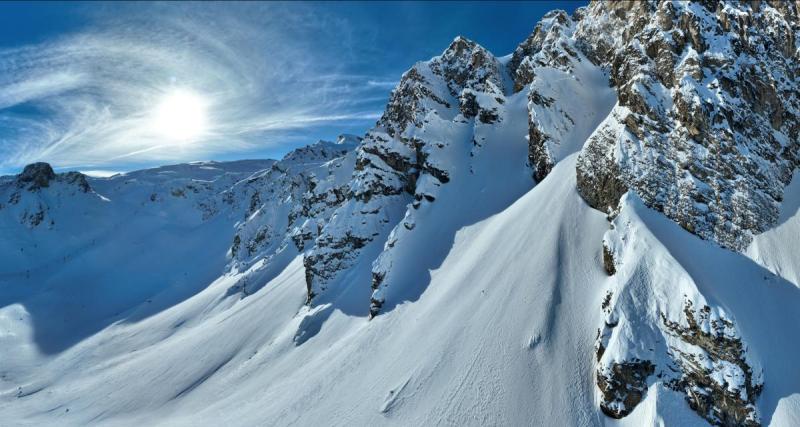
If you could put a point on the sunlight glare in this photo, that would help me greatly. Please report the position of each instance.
(181, 116)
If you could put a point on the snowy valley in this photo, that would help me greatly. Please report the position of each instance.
(599, 228)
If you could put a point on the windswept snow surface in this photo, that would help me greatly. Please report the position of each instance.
(503, 334)
(508, 314)
(778, 249)
(497, 301)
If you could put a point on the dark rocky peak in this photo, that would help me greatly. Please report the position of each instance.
(468, 65)
(465, 51)
(36, 176)
(39, 175)
(548, 31)
(450, 79)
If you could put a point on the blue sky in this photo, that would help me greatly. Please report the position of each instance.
(80, 83)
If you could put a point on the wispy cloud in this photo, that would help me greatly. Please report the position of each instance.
(87, 98)
(382, 83)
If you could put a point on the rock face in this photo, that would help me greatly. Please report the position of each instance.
(706, 127)
(658, 327)
(705, 130)
(24, 192)
(285, 207)
(36, 176)
(623, 386)
(568, 95)
(400, 164)
(727, 403)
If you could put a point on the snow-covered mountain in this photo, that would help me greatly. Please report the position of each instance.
(597, 229)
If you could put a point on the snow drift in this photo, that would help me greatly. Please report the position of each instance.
(547, 238)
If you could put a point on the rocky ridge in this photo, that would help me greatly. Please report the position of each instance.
(26, 193)
(706, 127)
(400, 164)
(285, 207)
(688, 108)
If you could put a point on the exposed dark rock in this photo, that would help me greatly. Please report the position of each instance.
(79, 179)
(488, 116)
(237, 241)
(608, 261)
(602, 185)
(538, 156)
(36, 176)
(721, 404)
(330, 256)
(623, 387)
(33, 219)
(469, 105)
(701, 132)
(376, 304)
(607, 301)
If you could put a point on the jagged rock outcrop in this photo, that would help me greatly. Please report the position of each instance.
(36, 176)
(719, 353)
(287, 205)
(658, 327)
(623, 386)
(608, 260)
(549, 45)
(24, 192)
(400, 164)
(568, 95)
(707, 124)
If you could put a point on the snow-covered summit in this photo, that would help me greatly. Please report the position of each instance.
(447, 267)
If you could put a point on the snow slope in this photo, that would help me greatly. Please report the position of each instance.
(418, 275)
(490, 339)
(770, 249)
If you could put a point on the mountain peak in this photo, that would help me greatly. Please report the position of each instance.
(464, 49)
(676, 121)
(347, 138)
(38, 175)
(459, 44)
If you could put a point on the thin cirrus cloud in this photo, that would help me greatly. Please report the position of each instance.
(85, 100)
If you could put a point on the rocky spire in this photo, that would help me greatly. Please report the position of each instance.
(36, 176)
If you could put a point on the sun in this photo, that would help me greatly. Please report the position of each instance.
(181, 116)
